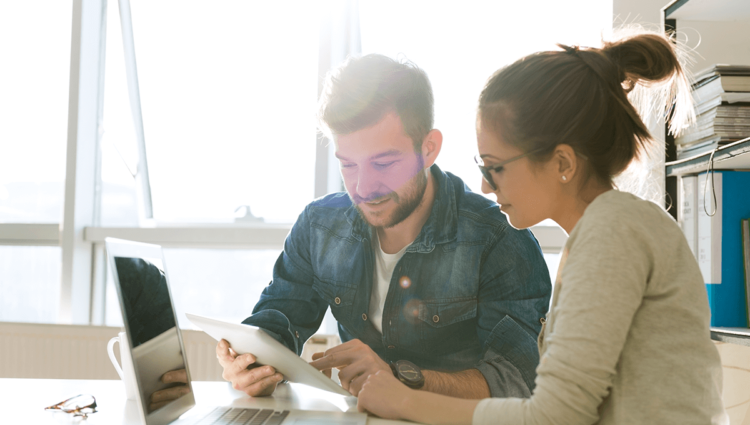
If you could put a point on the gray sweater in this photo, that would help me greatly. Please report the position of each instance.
(627, 338)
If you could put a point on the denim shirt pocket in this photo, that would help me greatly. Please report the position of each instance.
(339, 297)
(443, 323)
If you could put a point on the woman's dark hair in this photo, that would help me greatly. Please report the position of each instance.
(579, 97)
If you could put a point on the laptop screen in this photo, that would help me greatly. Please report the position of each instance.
(150, 321)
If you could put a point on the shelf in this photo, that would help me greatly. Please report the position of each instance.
(734, 156)
(708, 10)
(739, 336)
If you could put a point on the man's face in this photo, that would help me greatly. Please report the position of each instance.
(383, 175)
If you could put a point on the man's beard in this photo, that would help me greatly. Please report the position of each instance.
(405, 205)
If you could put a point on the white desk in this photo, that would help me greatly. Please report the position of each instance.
(22, 401)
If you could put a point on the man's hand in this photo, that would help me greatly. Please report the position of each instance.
(355, 361)
(316, 356)
(167, 395)
(245, 375)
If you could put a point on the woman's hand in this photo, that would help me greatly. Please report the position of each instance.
(383, 395)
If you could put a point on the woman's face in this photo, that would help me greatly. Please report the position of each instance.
(526, 191)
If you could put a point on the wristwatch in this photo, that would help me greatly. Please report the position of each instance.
(408, 373)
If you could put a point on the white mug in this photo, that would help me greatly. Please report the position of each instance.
(127, 374)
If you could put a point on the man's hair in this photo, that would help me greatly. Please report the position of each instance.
(360, 92)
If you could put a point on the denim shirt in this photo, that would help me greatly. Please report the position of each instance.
(469, 292)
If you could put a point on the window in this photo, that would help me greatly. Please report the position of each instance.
(460, 47)
(228, 95)
(119, 154)
(34, 79)
(35, 47)
(30, 283)
(224, 284)
(228, 92)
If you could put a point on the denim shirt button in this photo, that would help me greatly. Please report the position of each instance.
(337, 300)
(436, 318)
(364, 317)
(296, 333)
(391, 347)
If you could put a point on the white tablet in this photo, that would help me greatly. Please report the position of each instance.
(251, 339)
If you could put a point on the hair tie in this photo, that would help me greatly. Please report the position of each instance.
(626, 82)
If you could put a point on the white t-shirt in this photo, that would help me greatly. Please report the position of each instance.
(384, 266)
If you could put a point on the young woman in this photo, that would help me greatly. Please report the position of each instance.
(626, 340)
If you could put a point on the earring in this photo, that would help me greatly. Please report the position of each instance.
(564, 178)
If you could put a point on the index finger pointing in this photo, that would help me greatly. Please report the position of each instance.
(348, 345)
(337, 360)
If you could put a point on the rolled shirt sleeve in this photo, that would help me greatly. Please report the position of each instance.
(513, 296)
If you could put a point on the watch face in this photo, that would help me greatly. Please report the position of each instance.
(409, 372)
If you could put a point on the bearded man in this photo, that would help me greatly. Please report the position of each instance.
(426, 279)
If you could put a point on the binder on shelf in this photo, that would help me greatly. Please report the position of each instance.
(746, 261)
(709, 220)
(686, 215)
(719, 244)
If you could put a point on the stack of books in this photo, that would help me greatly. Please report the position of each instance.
(722, 101)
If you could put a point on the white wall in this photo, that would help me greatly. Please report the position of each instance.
(638, 11)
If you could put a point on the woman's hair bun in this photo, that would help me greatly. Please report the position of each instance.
(652, 62)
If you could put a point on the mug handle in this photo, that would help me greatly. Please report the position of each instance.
(110, 351)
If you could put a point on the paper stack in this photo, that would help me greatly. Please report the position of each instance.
(722, 102)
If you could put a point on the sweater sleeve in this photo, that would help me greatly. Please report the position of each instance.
(602, 286)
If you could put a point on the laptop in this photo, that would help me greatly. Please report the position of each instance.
(156, 347)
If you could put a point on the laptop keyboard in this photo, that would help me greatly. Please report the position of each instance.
(233, 416)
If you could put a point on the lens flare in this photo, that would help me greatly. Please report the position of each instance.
(405, 282)
(411, 310)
